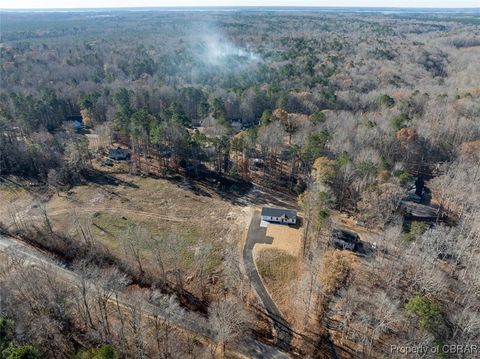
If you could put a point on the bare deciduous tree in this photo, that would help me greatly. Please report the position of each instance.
(228, 319)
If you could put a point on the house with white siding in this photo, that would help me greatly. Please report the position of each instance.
(279, 215)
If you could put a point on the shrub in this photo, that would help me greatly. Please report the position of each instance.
(266, 117)
(386, 100)
(6, 332)
(343, 159)
(21, 352)
(106, 351)
(428, 313)
(366, 168)
(383, 165)
(400, 121)
(318, 117)
(403, 176)
(408, 237)
(416, 229)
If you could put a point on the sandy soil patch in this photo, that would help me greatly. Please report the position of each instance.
(285, 238)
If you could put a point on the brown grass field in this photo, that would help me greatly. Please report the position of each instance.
(164, 208)
(278, 263)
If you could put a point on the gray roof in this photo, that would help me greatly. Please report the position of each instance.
(345, 236)
(278, 212)
(119, 153)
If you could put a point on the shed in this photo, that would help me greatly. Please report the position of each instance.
(279, 215)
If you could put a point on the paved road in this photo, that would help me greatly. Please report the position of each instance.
(257, 234)
(191, 322)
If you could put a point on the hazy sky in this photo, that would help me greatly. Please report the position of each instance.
(36, 4)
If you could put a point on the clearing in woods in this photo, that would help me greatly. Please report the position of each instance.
(167, 209)
(278, 263)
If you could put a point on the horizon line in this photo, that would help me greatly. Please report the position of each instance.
(241, 7)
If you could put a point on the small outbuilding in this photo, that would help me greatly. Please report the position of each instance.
(119, 154)
(279, 215)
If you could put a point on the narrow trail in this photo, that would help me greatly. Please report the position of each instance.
(118, 211)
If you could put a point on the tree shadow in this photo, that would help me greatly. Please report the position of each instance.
(298, 224)
(102, 179)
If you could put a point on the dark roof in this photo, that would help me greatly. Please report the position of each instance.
(78, 125)
(343, 235)
(278, 212)
(78, 118)
(118, 152)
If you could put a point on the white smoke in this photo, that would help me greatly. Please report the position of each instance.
(218, 51)
(214, 48)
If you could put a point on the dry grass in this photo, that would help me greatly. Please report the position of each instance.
(278, 270)
(277, 263)
(285, 238)
(163, 208)
(156, 203)
(13, 199)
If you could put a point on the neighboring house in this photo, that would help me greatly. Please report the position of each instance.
(412, 197)
(77, 122)
(236, 125)
(279, 215)
(119, 154)
(78, 126)
(344, 239)
(420, 211)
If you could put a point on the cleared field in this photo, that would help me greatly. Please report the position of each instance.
(278, 270)
(14, 201)
(184, 221)
(278, 263)
(275, 266)
(285, 238)
(158, 203)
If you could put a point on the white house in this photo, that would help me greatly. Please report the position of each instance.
(279, 215)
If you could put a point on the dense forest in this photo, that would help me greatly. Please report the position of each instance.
(342, 110)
